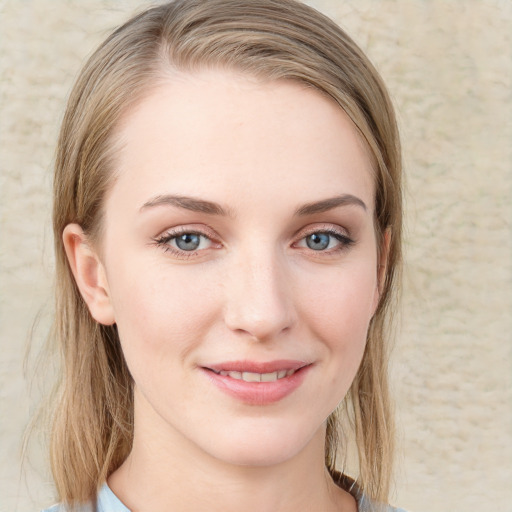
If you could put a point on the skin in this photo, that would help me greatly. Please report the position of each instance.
(252, 290)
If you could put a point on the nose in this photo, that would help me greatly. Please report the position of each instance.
(259, 297)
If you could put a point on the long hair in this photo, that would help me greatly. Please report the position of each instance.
(92, 425)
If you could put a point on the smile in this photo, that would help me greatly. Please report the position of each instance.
(257, 377)
(256, 383)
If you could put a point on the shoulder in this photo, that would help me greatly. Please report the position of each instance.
(364, 503)
(107, 501)
(63, 508)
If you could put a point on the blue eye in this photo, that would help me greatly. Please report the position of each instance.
(183, 242)
(188, 241)
(325, 241)
(318, 241)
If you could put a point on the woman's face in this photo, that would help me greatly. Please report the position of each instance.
(241, 260)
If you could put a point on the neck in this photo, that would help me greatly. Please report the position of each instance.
(168, 472)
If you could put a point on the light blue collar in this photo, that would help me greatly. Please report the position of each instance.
(109, 502)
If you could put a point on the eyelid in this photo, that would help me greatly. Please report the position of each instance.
(322, 228)
(343, 236)
(197, 229)
(163, 239)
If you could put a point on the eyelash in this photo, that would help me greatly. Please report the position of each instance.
(344, 241)
(163, 241)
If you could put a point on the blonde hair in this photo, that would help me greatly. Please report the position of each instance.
(270, 39)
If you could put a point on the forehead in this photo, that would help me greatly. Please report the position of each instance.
(217, 133)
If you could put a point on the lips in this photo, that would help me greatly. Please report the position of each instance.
(257, 383)
(256, 367)
(257, 377)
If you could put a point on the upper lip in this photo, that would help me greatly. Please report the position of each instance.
(257, 367)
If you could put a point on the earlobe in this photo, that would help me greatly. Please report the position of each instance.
(89, 274)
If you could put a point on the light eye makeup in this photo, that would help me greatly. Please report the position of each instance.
(325, 239)
(187, 242)
(184, 243)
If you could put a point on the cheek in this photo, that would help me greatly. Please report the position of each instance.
(339, 309)
(160, 310)
(341, 301)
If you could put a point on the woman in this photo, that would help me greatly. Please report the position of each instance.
(227, 220)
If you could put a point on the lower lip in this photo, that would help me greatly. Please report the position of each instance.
(258, 393)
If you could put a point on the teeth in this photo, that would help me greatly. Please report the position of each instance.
(251, 377)
(258, 377)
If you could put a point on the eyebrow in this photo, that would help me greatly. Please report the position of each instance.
(188, 203)
(329, 204)
(211, 208)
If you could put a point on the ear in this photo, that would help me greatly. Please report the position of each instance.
(382, 266)
(89, 274)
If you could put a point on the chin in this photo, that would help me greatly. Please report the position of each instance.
(264, 446)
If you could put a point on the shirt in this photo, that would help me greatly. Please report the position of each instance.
(108, 502)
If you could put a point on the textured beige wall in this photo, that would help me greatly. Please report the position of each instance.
(448, 65)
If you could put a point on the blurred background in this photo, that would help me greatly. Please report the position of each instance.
(448, 66)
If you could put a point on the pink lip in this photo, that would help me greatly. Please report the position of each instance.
(255, 367)
(257, 393)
